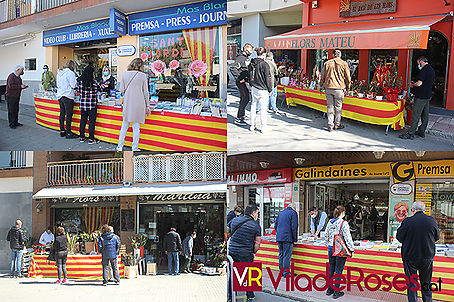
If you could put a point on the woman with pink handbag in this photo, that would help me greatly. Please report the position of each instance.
(340, 247)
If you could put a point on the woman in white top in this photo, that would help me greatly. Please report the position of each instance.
(336, 264)
(134, 87)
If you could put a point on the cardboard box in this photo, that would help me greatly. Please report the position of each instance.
(131, 272)
(151, 269)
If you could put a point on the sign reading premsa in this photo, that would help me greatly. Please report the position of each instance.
(195, 15)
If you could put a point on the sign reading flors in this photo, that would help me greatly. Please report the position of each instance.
(181, 196)
(86, 200)
(350, 8)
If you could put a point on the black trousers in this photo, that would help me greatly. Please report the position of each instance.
(244, 99)
(66, 111)
(425, 268)
(13, 110)
(240, 258)
(91, 116)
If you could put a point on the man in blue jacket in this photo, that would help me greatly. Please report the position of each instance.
(286, 226)
(109, 245)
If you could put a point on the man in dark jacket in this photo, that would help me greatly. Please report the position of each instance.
(418, 234)
(14, 89)
(286, 226)
(173, 248)
(237, 211)
(16, 243)
(262, 85)
(239, 70)
(109, 246)
(423, 94)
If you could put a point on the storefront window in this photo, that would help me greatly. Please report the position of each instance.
(182, 64)
(87, 219)
(443, 210)
(273, 203)
(379, 59)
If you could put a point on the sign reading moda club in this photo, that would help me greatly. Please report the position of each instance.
(260, 177)
(89, 31)
(195, 15)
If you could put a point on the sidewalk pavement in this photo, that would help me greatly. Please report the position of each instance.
(184, 287)
(301, 128)
(33, 137)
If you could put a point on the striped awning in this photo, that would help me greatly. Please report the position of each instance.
(406, 33)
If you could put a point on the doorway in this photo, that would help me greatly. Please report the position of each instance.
(437, 54)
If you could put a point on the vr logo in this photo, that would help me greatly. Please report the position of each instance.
(403, 171)
(247, 277)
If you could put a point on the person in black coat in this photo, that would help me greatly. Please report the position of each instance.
(237, 211)
(16, 243)
(60, 248)
(107, 81)
(173, 248)
(418, 234)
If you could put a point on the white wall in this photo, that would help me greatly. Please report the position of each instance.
(15, 54)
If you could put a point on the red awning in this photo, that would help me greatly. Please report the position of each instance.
(383, 34)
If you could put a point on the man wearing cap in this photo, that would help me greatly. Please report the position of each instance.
(14, 87)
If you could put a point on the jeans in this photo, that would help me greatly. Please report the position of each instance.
(186, 264)
(91, 116)
(61, 266)
(285, 255)
(334, 99)
(16, 259)
(173, 257)
(135, 135)
(240, 258)
(336, 265)
(66, 111)
(425, 268)
(105, 269)
(273, 99)
(420, 111)
(262, 97)
(13, 110)
(244, 99)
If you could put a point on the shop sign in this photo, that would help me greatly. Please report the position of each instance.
(195, 15)
(89, 31)
(86, 200)
(181, 197)
(126, 50)
(401, 189)
(260, 177)
(403, 171)
(434, 168)
(350, 8)
(118, 23)
(344, 171)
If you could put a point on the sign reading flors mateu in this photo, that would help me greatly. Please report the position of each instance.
(350, 8)
(89, 31)
(195, 15)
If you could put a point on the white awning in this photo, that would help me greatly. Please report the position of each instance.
(131, 190)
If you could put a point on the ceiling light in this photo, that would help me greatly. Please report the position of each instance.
(264, 164)
(420, 153)
(378, 154)
(299, 160)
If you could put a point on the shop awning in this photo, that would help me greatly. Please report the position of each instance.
(381, 34)
(131, 190)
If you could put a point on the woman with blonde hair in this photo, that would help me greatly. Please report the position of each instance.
(60, 247)
(134, 87)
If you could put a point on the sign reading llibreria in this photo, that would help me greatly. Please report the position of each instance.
(350, 8)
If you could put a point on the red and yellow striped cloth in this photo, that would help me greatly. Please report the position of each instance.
(95, 217)
(162, 131)
(363, 110)
(78, 267)
(311, 260)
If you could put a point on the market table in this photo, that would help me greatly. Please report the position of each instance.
(311, 260)
(162, 131)
(78, 267)
(375, 112)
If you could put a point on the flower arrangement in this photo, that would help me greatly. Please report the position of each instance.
(158, 67)
(72, 242)
(39, 248)
(197, 68)
(174, 64)
(138, 240)
(144, 56)
(130, 260)
(93, 237)
(218, 256)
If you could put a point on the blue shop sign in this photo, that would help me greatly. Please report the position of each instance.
(118, 23)
(89, 31)
(195, 15)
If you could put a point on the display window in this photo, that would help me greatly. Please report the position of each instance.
(442, 209)
(273, 203)
(87, 219)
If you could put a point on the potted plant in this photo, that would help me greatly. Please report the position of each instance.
(130, 261)
(138, 242)
(218, 258)
(379, 93)
(89, 241)
(371, 91)
(72, 243)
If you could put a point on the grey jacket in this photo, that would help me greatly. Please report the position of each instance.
(333, 228)
(188, 244)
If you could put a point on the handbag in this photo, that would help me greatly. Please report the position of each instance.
(339, 247)
(51, 256)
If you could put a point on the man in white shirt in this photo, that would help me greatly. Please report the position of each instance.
(47, 237)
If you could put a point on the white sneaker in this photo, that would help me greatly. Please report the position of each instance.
(252, 128)
(119, 149)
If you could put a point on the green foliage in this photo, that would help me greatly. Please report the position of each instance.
(218, 256)
(138, 240)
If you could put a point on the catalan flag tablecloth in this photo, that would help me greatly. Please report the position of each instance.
(360, 109)
(311, 260)
(78, 267)
(162, 131)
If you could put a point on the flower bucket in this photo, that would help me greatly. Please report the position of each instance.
(361, 95)
(370, 96)
(89, 247)
(285, 81)
(391, 97)
(379, 97)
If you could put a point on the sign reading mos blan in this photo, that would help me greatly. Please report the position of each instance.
(89, 31)
(195, 15)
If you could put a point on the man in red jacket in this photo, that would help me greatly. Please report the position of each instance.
(14, 88)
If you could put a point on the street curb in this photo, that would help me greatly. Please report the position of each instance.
(438, 133)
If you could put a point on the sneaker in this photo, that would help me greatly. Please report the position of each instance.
(407, 136)
(418, 133)
(71, 136)
(57, 282)
(104, 284)
(338, 295)
(329, 292)
(339, 127)
(119, 149)
(20, 276)
(19, 124)
(92, 141)
(62, 133)
(240, 122)
(11, 276)
(65, 281)
(250, 299)
(82, 140)
(252, 128)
